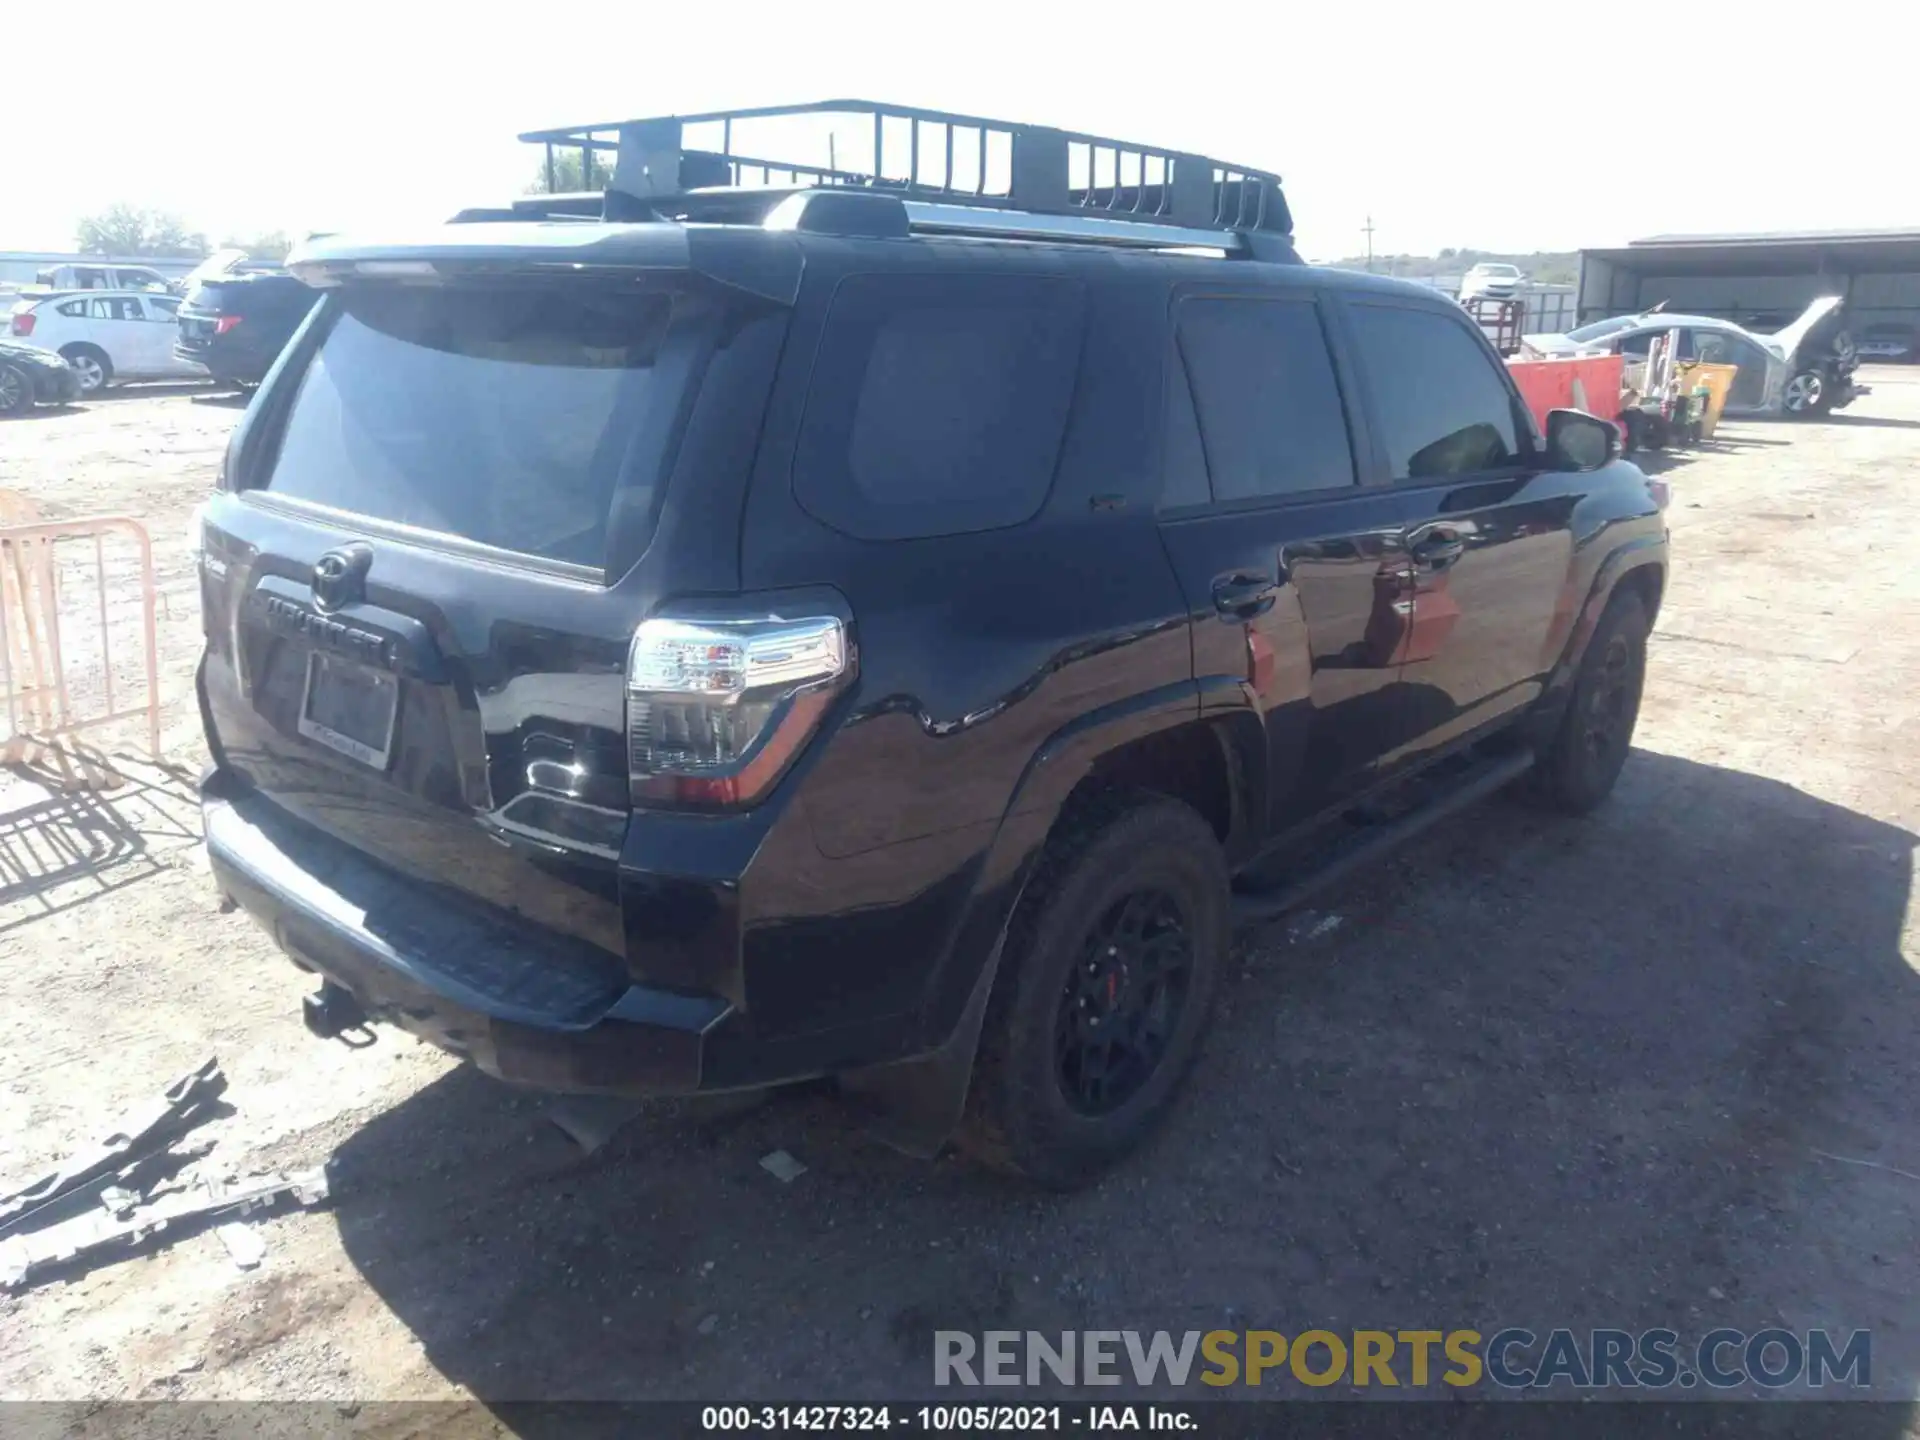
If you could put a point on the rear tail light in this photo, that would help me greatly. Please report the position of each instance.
(23, 323)
(225, 323)
(1661, 491)
(717, 709)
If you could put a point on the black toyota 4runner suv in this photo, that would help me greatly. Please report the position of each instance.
(700, 637)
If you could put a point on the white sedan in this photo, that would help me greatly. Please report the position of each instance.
(107, 335)
(1493, 280)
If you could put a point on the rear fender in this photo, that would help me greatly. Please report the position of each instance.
(916, 1104)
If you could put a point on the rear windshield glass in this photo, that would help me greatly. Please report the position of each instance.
(500, 416)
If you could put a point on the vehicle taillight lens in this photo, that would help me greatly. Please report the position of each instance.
(23, 323)
(717, 709)
(225, 323)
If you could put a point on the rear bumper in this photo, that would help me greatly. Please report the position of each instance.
(234, 364)
(515, 1002)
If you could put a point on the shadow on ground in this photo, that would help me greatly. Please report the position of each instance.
(1871, 422)
(1658, 462)
(1544, 1072)
(64, 842)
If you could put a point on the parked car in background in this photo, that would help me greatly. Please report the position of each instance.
(106, 335)
(235, 323)
(1890, 341)
(1804, 370)
(1492, 279)
(30, 376)
(106, 277)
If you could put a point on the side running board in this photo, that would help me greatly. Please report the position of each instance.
(1371, 842)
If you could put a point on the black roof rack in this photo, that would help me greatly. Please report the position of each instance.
(962, 174)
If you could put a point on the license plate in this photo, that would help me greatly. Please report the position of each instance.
(350, 708)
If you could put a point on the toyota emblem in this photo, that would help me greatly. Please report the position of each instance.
(340, 577)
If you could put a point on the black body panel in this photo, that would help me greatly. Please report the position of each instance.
(844, 920)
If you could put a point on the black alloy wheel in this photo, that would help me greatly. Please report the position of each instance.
(1122, 1002)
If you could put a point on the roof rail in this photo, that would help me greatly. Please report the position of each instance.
(736, 164)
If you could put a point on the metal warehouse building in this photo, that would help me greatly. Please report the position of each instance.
(1745, 277)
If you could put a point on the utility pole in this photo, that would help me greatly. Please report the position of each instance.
(1368, 227)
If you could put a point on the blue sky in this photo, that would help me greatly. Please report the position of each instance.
(1500, 126)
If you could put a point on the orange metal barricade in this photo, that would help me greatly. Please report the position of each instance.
(1589, 383)
(54, 663)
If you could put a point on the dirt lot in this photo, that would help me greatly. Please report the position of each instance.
(1541, 1072)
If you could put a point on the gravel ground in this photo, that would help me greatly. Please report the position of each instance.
(1650, 1068)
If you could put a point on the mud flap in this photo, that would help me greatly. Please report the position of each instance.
(915, 1105)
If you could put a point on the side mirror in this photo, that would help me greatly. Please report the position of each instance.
(1579, 441)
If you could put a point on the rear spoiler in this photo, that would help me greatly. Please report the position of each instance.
(761, 263)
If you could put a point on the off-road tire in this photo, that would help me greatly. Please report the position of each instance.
(1020, 1117)
(1579, 766)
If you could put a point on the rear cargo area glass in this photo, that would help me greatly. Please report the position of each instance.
(502, 416)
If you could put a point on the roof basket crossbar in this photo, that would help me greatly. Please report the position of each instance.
(654, 166)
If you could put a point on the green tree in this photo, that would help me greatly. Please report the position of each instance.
(570, 175)
(130, 230)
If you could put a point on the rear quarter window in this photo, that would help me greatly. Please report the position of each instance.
(938, 402)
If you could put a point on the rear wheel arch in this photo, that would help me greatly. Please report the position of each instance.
(1202, 763)
(1098, 850)
(1152, 742)
(1153, 748)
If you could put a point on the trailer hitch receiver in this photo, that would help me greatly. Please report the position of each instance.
(331, 1011)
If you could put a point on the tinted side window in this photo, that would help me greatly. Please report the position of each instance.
(1271, 421)
(938, 402)
(76, 309)
(1444, 407)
